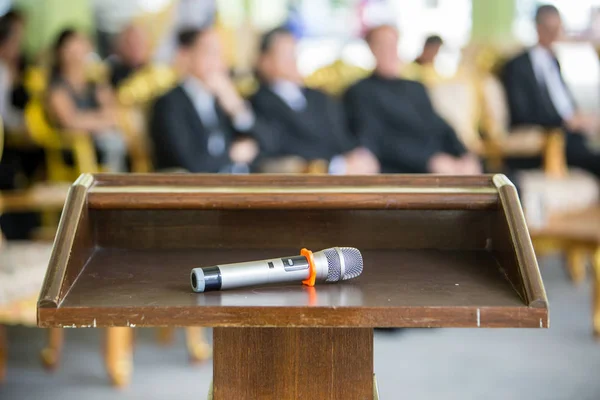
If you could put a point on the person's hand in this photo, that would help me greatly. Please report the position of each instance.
(469, 165)
(582, 123)
(243, 151)
(109, 117)
(442, 163)
(361, 161)
(226, 94)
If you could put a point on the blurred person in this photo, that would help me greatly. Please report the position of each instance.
(20, 161)
(132, 53)
(110, 18)
(395, 119)
(537, 95)
(431, 48)
(203, 125)
(76, 103)
(305, 122)
(11, 38)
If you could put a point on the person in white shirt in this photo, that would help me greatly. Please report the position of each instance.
(537, 95)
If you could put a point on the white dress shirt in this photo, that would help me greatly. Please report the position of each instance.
(204, 103)
(290, 93)
(13, 118)
(547, 74)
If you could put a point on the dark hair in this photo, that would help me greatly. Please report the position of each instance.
(268, 39)
(188, 36)
(60, 42)
(369, 34)
(543, 10)
(434, 40)
(7, 24)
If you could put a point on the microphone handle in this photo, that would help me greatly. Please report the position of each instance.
(227, 276)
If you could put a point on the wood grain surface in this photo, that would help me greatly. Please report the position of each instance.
(398, 288)
(293, 364)
(271, 229)
(292, 192)
(432, 261)
(206, 180)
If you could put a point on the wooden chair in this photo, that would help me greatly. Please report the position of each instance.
(502, 142)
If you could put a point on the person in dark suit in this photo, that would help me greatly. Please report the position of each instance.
(395, 119)
(538, 95)
(203, 125)
(303, 122)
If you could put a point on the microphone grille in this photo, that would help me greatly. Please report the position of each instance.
(353, 263)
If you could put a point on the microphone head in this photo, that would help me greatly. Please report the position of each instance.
(343, 263)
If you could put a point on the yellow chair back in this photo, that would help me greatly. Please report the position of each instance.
(54, 141)
(335, 78)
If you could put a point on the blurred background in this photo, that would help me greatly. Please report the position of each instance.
(89, 86)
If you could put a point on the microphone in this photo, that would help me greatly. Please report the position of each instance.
(329, 265)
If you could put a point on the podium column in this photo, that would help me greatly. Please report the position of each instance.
(293, 363)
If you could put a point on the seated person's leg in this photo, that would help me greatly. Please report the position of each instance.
(580, 155)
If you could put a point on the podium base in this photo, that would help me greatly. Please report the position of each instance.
(293, 363)
(375, 390)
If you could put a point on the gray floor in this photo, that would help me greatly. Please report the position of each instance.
(560, 363)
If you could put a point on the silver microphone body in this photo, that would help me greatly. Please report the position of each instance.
(276, 270)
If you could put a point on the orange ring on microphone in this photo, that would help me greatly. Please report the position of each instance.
(312, 276)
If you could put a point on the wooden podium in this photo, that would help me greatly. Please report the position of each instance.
(438, 252)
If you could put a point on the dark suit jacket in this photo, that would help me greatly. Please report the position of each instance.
(317, 132)
(529, 102)
(394, 118)
(179, 137)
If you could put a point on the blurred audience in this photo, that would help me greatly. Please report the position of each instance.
(304, 122)
(431, 48)
(11, 37)
(78, 104)
(395, 119)
(203, 125)
(538, 95)
(132, 53)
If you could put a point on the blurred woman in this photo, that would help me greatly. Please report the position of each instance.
(11, 36)
(76, 103)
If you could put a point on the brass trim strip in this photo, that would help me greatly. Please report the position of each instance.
(501, 180)
(522, 243)
(290, 190)
(85, 180)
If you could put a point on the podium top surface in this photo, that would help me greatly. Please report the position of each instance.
(438, 251)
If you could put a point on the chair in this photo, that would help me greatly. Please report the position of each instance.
(456, 101)
(53, 141)
(546, 193)
(133, 97)
(503, 142)
(335, 78)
